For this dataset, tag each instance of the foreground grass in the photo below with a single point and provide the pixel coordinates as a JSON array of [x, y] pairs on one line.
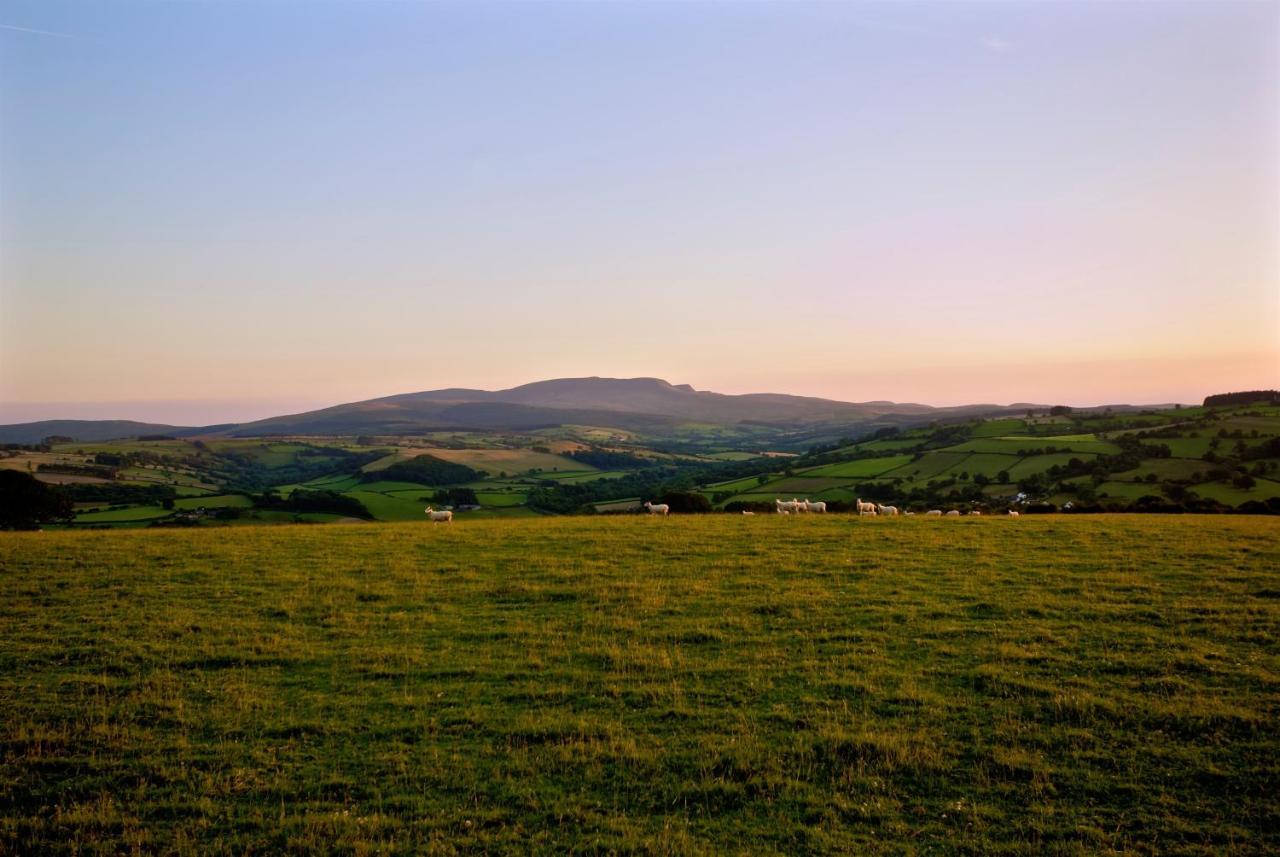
[[1051, 685]]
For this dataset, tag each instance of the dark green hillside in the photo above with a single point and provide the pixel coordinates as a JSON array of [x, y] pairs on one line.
[[1201, 459]]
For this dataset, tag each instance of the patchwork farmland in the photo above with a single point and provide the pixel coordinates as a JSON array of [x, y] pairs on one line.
[[1190, 458]]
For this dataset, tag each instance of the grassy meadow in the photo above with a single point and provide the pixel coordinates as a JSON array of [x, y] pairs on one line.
[[700, 685]]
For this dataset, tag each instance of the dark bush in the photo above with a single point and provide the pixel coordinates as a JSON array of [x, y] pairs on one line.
[[26, 502], [685, 502], [424, 470]]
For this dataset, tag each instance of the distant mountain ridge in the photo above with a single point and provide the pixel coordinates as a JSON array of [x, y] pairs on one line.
[[638, 404]]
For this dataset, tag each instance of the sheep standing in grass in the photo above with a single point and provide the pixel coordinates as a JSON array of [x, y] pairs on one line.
[[933, 513], [891, 511], [787, 506], [1012, 513], [954, 513], [745, 512], [866, 508], [818, 506], [436, 517], [657, 508]]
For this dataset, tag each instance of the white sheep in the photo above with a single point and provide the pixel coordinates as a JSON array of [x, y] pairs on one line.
[[933, 513], [657, 509], [436, 517], [1012, 513], [975, 512], [818, 506], [787, 505], [891, 511], [953, 513], [865, 508], [745, 512], [909, 514]]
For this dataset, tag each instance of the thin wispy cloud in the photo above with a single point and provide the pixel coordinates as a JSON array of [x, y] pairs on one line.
[[36, 32]]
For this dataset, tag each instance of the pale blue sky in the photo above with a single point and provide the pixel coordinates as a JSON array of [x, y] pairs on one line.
[[254, 207]]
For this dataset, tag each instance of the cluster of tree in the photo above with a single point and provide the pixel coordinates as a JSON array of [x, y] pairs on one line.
[[69, 469], [116, 493], [609, 460], [242, 472], [454, 497], [26, 502], [1248, 397], [685, 502], [25, 447], [648, 483], [140, 457], [306, 500], [425, 470]]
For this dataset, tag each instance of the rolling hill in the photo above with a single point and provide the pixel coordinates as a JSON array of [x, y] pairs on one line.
[[647, 405], [90, 430]]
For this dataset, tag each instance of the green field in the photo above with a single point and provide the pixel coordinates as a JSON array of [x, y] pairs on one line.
[[1011, 445], [238, 501], [398, 506], [499, 498], [929, 466], [999, 428], [1223, 493], [130, 513], [860, 467], [698, 685]]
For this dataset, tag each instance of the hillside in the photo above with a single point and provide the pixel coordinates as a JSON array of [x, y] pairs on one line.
[[646, 405], [710, 685], [1181, 459], [1193, 458], [86, 430]]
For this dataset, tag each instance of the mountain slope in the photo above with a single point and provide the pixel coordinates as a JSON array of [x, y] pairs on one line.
[[648, 405], [85, 430]]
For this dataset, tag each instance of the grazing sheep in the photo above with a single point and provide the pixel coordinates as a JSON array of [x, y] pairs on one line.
[[891, 511], [933, 513], [745, 512], [865, 507], [787, 505], [954, 513], [975, 512], [657, 508], [1012, 513], [818, 506], [436, 517], [909, 514]]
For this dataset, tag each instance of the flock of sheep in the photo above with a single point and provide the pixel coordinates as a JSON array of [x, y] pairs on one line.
[[796, 507], [783, 507], [793, 506]]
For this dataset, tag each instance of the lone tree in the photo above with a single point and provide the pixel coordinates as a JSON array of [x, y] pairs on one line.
[[26, 502]]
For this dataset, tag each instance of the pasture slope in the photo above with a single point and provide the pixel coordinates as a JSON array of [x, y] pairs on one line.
[[702, 685]]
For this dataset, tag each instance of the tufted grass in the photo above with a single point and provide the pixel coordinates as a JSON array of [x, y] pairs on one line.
[[1052, 685]]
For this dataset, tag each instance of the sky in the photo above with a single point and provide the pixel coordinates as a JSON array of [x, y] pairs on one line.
[[217, 211]]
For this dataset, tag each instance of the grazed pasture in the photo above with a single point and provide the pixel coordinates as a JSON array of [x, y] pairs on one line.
[[1051, 685]]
